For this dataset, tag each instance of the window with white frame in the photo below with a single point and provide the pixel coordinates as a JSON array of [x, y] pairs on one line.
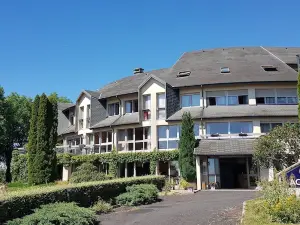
[[73, 142], [103, 142], [168, 136], [88, 116], [231, 97], [229, 127], [279, 96], [134, 139], [81, 113], [267, 127], [161, 106], [147, 107], [190, 100], [131, 106], [113, 109]]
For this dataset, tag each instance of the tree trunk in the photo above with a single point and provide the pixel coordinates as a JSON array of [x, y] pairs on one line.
[[8, 156]]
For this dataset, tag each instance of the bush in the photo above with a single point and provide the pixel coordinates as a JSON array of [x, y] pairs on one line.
[[58, 213], [183, 184], [20, 203], [138, 195], [102, 207], [280, 202], [87, 172], [169, 186]]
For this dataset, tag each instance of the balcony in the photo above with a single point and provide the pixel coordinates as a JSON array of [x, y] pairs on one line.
[[230, 136], [75, 150]]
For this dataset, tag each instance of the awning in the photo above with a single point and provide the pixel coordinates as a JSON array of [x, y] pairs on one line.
[[232, 146]]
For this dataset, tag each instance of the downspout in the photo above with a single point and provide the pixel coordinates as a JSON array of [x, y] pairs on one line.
[[201, 118]]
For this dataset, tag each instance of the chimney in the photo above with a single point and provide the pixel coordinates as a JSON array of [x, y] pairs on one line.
[[138, 70]]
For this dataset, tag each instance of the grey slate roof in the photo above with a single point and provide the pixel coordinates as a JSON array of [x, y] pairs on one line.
[[127, 85], [129, 118], [70, 129], [233, 146], [63, 120], [244, 63], [95, 94], [106, 122], [237, 111]]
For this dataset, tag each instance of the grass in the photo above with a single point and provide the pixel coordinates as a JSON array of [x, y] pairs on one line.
[[255, 214]]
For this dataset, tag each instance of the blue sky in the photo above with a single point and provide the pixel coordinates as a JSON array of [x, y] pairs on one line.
[[67, 46]]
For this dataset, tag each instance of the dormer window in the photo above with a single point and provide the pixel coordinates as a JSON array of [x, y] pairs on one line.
[[269, 68], [225, 70], [131, 106], [184, 74], [113, 109]]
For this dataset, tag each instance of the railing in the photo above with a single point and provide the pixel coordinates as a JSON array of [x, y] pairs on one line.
[[228, 136], [76, 150]]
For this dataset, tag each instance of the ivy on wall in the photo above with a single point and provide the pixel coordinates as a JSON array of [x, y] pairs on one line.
[[67, 159]]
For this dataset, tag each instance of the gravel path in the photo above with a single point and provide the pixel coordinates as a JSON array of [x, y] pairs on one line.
[[203, 208]]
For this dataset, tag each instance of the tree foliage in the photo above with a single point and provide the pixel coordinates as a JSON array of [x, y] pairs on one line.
[[280, 148], [43, 135], [298, 90], [32, 140], [15, 113], [62, 99], [187, 144]]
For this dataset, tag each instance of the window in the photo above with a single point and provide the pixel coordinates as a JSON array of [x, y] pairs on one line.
[[147, 107], [225, 70], [184, 74], [81, 112], [74, 142], [241, 127], [229, 127], [168, 136], [131, 106], [190, 100], [269, 68], [293, 66], [279, 96], [234, 97], [71, 118], [113, 109], [134, 139], [103, 142], [161, 106], [88, 116], [267, 127]]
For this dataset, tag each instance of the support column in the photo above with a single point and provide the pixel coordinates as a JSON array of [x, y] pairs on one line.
[[134, 169], [247, 169], [66, 173], [126, 169], [198, 172]]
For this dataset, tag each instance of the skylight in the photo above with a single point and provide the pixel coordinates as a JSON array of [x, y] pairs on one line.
[[184, 74], [225, 70], [270, 68]]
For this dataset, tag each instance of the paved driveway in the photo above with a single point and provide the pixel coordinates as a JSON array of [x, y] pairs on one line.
[[202, 208]]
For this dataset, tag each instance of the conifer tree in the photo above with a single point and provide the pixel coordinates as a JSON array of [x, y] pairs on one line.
[[187, 144], [32, 140]]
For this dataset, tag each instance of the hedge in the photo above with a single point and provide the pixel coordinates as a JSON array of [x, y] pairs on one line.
[[128, 157], [18, 204]]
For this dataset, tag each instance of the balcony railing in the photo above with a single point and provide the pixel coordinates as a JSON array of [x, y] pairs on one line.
[[227, 136]]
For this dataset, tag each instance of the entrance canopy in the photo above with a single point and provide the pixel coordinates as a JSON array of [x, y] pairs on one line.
[[224, 147]]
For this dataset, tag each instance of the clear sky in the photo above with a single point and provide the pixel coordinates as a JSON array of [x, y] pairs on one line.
[[70, 45]]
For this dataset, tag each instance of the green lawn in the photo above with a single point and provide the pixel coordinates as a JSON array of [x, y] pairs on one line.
[[255, 214]]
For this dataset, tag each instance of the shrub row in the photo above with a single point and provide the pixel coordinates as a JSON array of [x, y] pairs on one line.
[[18, 204], [128, 157]]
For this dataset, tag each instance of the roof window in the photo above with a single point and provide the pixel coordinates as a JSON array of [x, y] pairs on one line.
[[183, 74], [293, 66], [225, 70], [270, 68]]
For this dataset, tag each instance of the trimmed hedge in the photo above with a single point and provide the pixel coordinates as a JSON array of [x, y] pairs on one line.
[[18, 204], [128, 157]]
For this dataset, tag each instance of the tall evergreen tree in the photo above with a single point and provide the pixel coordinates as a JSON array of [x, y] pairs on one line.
[[187, 144], [53, 122], [32, 141], [43, 157]]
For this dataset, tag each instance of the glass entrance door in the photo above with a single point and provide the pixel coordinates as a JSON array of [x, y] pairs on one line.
[[214, 173]]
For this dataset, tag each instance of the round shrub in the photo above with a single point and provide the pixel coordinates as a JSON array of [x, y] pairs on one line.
[[58, 213], [87, 172], [102, 207], [139, 194]]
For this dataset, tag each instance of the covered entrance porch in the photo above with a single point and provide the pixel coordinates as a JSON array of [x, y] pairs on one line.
[[226, 164]]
